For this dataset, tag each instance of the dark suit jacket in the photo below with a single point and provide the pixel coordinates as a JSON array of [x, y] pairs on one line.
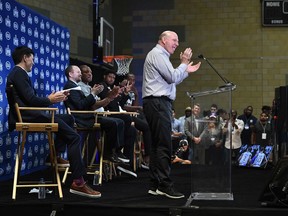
[[189, 127], [78, 101], [25, 96]]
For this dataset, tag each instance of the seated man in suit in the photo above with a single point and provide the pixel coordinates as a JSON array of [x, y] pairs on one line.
[[113, 127], [66, 136]]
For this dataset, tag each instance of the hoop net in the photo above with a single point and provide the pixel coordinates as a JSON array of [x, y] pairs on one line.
[[123, 63]]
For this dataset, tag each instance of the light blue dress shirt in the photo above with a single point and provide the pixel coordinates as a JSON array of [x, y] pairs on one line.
[[159, 76]]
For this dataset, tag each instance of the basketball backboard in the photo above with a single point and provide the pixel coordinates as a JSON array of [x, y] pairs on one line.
[[106, 39], [103, 41]]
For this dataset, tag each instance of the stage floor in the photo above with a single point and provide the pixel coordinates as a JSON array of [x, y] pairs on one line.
[[126, 195]]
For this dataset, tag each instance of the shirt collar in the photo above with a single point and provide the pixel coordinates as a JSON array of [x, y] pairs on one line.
[[163, 50], [22, 68], [74, 82]]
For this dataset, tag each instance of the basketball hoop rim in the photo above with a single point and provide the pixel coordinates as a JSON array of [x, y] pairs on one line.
[[108, 58], [122, 56]]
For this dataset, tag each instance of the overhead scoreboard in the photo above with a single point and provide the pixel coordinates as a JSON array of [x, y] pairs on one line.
[[274, 13]]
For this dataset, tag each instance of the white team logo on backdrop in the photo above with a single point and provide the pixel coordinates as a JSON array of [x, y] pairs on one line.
[[8, 6], [15, 12], [16, 40], [23, 40], [15, 26]]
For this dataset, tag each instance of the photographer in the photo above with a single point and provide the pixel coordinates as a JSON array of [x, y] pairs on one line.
[[182, 153]]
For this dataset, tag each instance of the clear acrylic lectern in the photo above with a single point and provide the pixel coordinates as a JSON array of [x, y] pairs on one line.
[[211, 176]]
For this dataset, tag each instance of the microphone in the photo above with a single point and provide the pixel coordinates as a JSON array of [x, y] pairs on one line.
[[201, 57], [227, 82]]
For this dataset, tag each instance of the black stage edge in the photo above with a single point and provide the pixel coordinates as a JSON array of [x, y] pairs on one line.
[[126, 195]]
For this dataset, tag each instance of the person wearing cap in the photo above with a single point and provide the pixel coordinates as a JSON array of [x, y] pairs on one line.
[[182, 153]]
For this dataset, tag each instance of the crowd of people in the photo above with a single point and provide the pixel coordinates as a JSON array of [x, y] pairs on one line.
[[197, 137], [208, 133]]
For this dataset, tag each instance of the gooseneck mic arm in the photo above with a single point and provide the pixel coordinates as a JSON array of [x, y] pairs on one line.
[[227, 82]]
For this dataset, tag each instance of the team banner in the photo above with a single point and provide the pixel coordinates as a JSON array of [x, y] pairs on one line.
[[19, 26]]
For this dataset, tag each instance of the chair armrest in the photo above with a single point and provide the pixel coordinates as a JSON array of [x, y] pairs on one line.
[[86, 112], [125, 113], [39, 108], [50, 109]]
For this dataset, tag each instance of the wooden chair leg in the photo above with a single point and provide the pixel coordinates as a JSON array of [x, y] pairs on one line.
[[102, 135], [53, 155], [85, 148], [18, 161], [137, 151], [15, 180], [66, 171], [19, 156]]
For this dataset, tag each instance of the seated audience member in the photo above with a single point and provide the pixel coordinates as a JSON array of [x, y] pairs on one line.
[[113, 127], [66, 135], [116, 106], [140, 122], [132, 103]]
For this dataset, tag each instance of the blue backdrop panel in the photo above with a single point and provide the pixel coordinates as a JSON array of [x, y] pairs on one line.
[[20, 25]]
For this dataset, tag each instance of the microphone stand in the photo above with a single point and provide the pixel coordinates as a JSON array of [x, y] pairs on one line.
[[227, 82]]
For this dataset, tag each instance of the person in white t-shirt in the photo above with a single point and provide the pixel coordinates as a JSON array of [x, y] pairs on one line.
[[235, 127]]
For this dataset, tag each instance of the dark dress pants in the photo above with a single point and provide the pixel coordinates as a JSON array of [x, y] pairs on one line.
[[158, 112]]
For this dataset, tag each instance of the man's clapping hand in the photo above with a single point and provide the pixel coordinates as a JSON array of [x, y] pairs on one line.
[[96, 89], [56, 97], [114, 92]]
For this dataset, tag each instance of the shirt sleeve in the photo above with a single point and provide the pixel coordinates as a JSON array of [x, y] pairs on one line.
[[167, 71]]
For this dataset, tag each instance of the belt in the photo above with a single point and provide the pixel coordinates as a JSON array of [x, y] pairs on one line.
[[159, 97]]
